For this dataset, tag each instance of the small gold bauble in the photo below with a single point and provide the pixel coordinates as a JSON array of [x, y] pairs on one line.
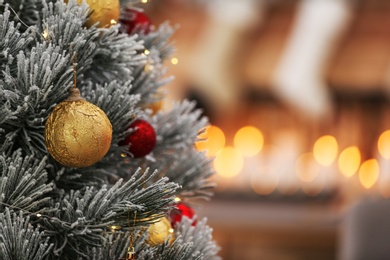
[[159, 232], [106, 12], [156, 106], [77, 133]]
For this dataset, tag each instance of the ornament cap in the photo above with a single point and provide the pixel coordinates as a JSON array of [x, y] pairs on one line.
[[74, 95]]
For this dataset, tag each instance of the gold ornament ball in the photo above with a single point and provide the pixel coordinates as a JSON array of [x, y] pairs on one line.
[[102, 11], [156, 106], [159, 232], [77, 133]]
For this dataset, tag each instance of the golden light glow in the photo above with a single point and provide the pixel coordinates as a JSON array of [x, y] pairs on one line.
[[113, 22], [306, 168], [215, 140], [325, 150], [177, 199], [384, 144], [123, 155], [174, 61], [369, 173], [170, 230], [144, 1], [39, 215], [349, 161], [146, 52], [228, 162], [249, 141], [114, 228], [45, 34]]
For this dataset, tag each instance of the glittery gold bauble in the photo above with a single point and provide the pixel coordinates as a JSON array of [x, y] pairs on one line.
[[159, 232], [77, 133], [106, 12]]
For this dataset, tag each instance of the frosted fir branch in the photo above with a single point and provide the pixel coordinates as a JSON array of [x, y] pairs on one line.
[[11, 42], [42, 80], [23, 182], [63, 25], [80, 217], [27, 11], [103, 55], [72, 178], [159, 40], [19, 240], [192, 175], [201, 238], [114, 247], [116, 55], [178, 128], [177, 250], [149, 77]]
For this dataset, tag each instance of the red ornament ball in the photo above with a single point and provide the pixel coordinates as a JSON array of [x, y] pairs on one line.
[[134, 19], [179, 211], [141, 141]]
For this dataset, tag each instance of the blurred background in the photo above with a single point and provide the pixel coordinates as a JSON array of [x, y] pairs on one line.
[[297, 93]]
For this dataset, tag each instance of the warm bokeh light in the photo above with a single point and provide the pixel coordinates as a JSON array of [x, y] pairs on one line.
[[264, 181], [306, 168], [369, 173], [384, 144], [215, 140], [249, 140], [174, 61], [146, 52], [325, 150], [228, 162], [349, 161], [113, 22]]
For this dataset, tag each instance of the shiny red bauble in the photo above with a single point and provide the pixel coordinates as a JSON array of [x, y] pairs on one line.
[[179, 211], [142, 140], [132, 20]]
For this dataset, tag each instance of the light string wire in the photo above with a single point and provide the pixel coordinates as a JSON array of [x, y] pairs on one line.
[[130, 249], [34, 214], [74, 64], [7, 6]]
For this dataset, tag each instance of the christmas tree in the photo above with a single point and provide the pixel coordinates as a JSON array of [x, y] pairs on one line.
[[89, 169]]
